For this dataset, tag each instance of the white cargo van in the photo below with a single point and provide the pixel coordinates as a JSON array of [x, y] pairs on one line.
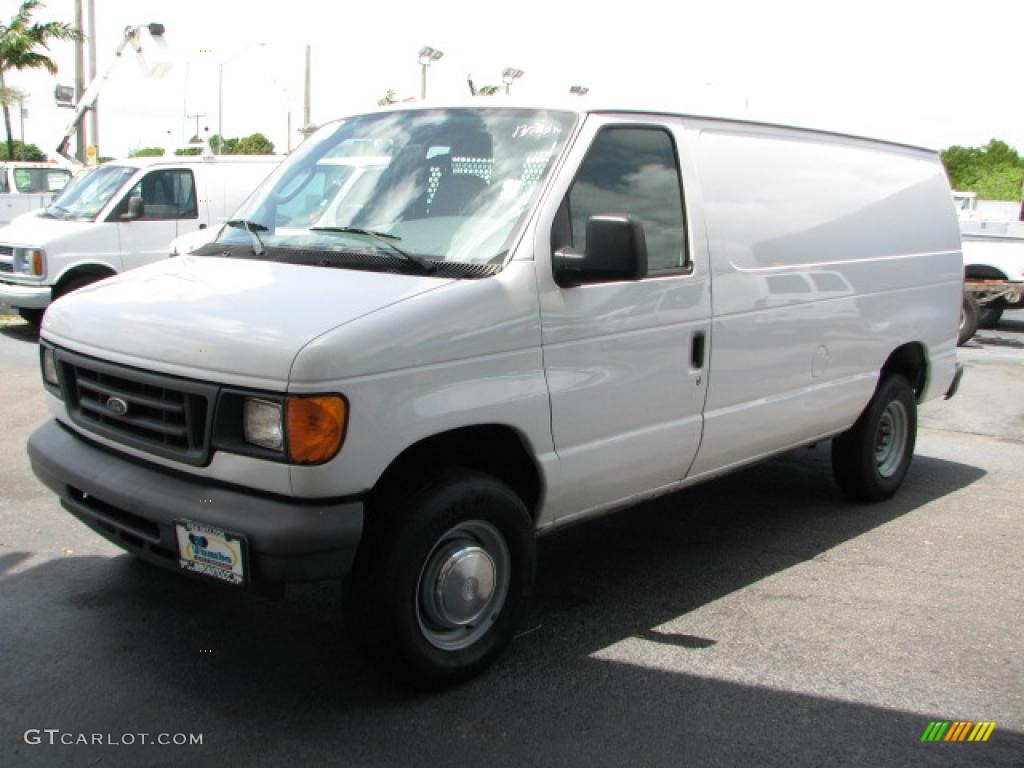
[[25, 186], [515, 319], [121, 215]]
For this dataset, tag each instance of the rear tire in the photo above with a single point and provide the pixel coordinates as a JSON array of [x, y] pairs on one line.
[[443, 573], [989, 316], [968, 320], [870, 460]]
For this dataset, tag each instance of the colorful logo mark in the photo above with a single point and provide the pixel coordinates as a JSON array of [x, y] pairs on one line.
[[958, 730]]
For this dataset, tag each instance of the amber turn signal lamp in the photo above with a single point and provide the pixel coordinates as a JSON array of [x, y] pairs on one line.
[[315, 427], [37, 263]]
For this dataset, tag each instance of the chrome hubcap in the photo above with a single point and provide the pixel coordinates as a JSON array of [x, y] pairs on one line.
[[891, 438], [463, 585]]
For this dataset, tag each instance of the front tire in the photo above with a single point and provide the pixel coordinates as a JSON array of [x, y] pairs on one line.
[[870, 460], [32, 316], [442, 576]]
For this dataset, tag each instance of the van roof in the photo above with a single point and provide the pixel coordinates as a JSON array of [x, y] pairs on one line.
[[584, 105], [147, 162]]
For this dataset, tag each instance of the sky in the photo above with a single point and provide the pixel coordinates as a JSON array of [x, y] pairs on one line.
[[931, 73]]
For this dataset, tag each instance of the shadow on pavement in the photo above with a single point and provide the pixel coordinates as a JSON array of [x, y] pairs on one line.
[[111, 645]]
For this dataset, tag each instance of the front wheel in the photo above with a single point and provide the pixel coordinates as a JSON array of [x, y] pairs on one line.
[[32, 316], [442, 576], [870, 460]]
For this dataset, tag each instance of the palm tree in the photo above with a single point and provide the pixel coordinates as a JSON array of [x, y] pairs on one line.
[[19, 44]]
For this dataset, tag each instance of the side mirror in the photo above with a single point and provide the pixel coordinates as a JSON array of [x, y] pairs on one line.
[[136, 209], [616, 250]]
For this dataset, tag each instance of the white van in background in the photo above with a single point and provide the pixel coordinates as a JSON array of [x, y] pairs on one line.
[[27, 186], [515, 319], [116, 217]]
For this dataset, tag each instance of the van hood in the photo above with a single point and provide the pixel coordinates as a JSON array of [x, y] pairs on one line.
[[33, 230], [232, 321]]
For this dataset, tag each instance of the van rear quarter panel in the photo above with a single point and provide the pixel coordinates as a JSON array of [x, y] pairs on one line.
[[827, 253]]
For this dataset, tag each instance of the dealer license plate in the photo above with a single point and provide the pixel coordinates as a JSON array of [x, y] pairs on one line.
[[211, 551]]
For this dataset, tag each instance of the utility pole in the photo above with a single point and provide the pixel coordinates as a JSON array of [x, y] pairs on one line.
[[79, 81], [94, 117], [196, 118]]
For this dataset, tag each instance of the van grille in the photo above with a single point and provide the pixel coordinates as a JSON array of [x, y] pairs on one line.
[[6, 266], [164, 415], [6, 250]]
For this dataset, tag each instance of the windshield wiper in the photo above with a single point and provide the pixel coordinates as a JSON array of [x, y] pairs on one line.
[[384, 237], [252, 227]]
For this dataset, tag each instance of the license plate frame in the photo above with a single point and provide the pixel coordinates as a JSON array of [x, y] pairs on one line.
[[212, 552]]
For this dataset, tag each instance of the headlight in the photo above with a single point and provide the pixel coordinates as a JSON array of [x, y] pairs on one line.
[[261, 422], [305, 430], [50, 367], [32, 262]]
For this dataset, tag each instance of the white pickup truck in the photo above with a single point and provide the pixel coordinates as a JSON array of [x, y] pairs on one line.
[[27, 186], [512, 320], [993, 269]]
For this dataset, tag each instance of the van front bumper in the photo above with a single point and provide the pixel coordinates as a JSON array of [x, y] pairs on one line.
[[135, 505], [25, 296]]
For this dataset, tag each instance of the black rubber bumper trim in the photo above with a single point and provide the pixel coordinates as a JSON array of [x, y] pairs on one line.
[[135, 505]]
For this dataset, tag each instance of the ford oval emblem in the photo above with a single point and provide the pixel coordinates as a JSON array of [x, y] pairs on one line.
[[117, 406]]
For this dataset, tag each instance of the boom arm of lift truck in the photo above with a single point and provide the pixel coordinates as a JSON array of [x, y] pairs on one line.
[[133, 36]]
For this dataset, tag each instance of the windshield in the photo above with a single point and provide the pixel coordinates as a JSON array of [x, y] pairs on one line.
[[36, 180], [87, 194], [444, 185]]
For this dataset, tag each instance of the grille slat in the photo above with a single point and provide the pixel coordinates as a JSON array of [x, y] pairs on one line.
[[161, 414], [132, 397], [137, 422], [6, 267]]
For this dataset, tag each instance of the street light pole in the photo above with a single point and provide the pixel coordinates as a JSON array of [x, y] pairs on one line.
[[510, 74], [427, 55]]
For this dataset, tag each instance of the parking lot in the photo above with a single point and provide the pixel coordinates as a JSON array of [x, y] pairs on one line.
[[758, 619]]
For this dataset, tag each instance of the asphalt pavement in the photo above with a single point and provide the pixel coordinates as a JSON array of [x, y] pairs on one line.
[[760, 619]]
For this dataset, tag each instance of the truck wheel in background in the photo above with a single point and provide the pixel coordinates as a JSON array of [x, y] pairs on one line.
[[32, 316], [74, 282], [870, 460], [988, 316], [968, 320], [443, 573]]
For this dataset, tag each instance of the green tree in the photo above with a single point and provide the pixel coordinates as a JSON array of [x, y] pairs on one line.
[[230, 145], [28, 152], [20, 43], [147, 152], [994, 172], [254, 144], [391, 97]]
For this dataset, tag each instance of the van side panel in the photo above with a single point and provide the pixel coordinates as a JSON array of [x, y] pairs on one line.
[[827, 254]]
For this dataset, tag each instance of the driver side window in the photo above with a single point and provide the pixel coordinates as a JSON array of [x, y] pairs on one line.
[[166, 194], [634, 171]]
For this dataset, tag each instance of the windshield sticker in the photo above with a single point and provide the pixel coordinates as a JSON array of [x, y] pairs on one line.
[[542, 128]]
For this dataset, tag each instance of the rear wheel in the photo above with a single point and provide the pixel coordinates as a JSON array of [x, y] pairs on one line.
[[989, 316], [443, 573], [870, 460], [968, 320]]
